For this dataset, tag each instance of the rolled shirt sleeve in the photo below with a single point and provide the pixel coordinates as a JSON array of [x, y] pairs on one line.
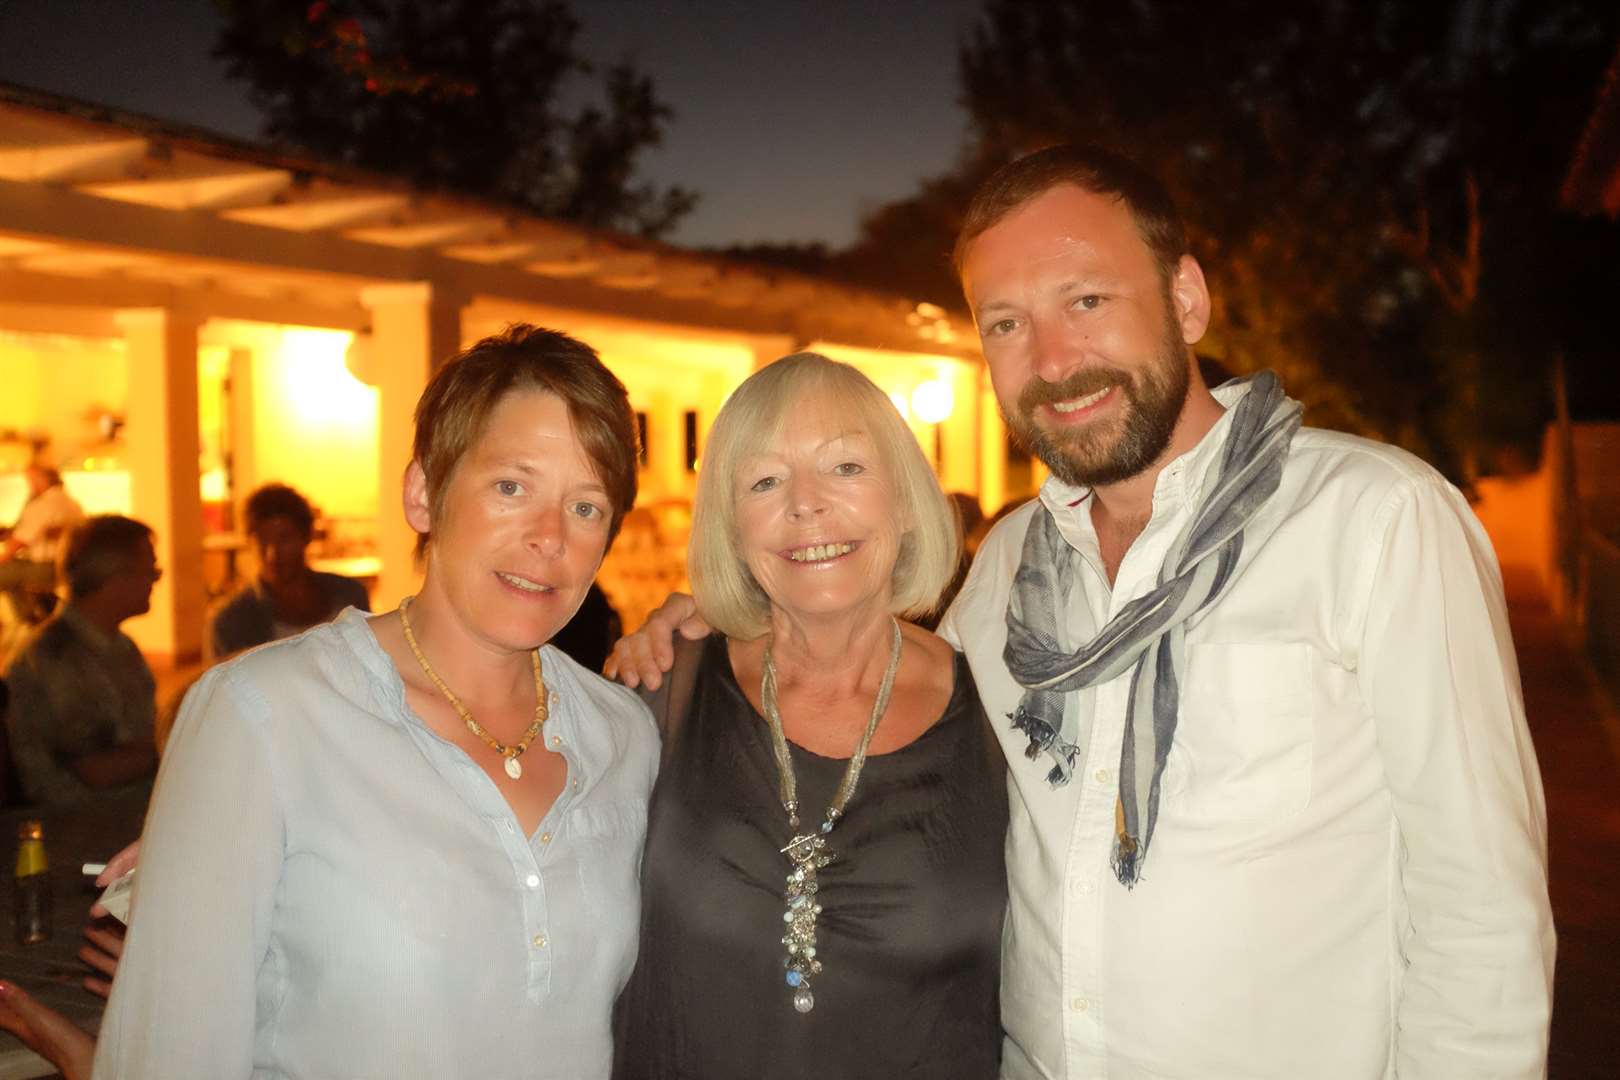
[[184, 1000], [1440, 680]]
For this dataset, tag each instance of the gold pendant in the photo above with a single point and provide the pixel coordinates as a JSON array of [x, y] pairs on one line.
[[513, 769]]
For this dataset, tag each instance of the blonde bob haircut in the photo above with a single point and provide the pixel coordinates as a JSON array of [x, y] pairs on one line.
[[751, 423]]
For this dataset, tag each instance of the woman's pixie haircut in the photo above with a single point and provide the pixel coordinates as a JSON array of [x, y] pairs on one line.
[[456, 406], [751, 423]]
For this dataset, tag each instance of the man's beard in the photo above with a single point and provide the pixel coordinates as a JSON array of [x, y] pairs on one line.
[[1117, 447]]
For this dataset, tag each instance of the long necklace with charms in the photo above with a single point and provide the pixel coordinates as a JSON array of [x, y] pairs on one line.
[[808, 853], [510, 753]]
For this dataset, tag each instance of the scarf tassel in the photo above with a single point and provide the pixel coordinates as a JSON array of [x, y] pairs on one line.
[[1041, 734], [1126, 861], [1043, 738]]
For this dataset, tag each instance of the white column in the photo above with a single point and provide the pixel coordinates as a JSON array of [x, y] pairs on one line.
[[959, 432], [992, 448], [415, 328], [244, 469], [666, 446], [161, 448]]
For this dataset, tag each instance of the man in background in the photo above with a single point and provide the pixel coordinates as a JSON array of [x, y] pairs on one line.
[[288, 596], [82, 696], [29, 551]]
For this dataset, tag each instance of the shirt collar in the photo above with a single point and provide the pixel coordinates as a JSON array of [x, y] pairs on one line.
[[89, 631], [353, 626], [1182, 478]]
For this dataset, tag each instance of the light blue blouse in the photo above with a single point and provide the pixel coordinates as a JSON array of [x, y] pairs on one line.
[[329, 889]]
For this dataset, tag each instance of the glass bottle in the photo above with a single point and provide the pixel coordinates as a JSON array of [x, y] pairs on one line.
[[33, 893]]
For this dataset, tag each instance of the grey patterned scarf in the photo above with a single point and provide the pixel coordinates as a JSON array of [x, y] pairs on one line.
[[1147, 636]]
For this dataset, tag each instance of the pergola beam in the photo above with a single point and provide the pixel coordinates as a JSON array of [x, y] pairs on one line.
[[308, 214], [57, 291], [71, 162], [215, 191], [35, 211]]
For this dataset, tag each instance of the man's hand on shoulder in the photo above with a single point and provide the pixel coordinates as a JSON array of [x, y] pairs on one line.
[[641, 658]]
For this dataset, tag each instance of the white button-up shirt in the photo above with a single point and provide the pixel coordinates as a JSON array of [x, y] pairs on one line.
[[43, 526], [329, 889], [1348, 874]]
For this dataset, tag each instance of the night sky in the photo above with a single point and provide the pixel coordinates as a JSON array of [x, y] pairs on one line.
[[792, 116]]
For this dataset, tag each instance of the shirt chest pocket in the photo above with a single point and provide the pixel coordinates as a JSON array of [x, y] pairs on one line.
[[1243, 742], [607, 841]]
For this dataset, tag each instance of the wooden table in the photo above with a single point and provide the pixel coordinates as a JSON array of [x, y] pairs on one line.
[[51, 971]]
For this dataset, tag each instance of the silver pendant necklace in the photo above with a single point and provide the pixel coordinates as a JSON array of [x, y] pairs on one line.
[[808, 853]]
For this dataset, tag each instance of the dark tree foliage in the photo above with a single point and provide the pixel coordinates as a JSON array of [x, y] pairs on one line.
[[813, 259], [1365, 181], [458, 95]]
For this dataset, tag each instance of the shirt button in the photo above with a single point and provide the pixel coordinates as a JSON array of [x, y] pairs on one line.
[[1083, 888], [1103, 775], [539, 941], [532, 881], [1079, 1004], [556, 741], [576, 785], [545, 838]]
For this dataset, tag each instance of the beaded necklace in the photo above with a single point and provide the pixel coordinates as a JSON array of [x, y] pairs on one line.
[[808, 853], [510, 753]]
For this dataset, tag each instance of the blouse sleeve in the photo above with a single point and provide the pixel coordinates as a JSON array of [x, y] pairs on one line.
[[669, 703], [184, 1002]]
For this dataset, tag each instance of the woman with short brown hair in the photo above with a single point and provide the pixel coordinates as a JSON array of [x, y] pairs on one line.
[[407, 845]]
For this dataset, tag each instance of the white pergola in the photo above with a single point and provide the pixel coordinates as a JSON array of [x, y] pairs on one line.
[[113, 225]]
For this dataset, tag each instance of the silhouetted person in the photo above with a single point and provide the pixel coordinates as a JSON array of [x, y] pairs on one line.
[[287, 597], [82, 696], [29, 551], [590, 634]]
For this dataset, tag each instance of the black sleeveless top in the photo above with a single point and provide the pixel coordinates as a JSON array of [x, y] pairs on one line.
[[910, 934]]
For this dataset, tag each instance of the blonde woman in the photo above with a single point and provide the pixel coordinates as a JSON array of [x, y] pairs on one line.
[[823, 886]]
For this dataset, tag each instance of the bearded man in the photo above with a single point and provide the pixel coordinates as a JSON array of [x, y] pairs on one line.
[[1276, 810]]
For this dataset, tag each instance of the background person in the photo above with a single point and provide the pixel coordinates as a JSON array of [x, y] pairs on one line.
[[407, 845], [817, 522], [590, 634], [82, 695], [43, 525], [30, 550], [286, 597]]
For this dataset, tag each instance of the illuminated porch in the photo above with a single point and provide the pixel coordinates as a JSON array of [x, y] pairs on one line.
[[183, 318]]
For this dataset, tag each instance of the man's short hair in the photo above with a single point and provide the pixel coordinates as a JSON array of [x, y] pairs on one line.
[[99, 549], [278, 500], [456, 406], [751, 422], [1089, 168]]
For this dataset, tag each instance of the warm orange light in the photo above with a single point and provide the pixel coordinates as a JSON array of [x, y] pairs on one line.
[[322, 388], [212, 483], [933, 401]]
